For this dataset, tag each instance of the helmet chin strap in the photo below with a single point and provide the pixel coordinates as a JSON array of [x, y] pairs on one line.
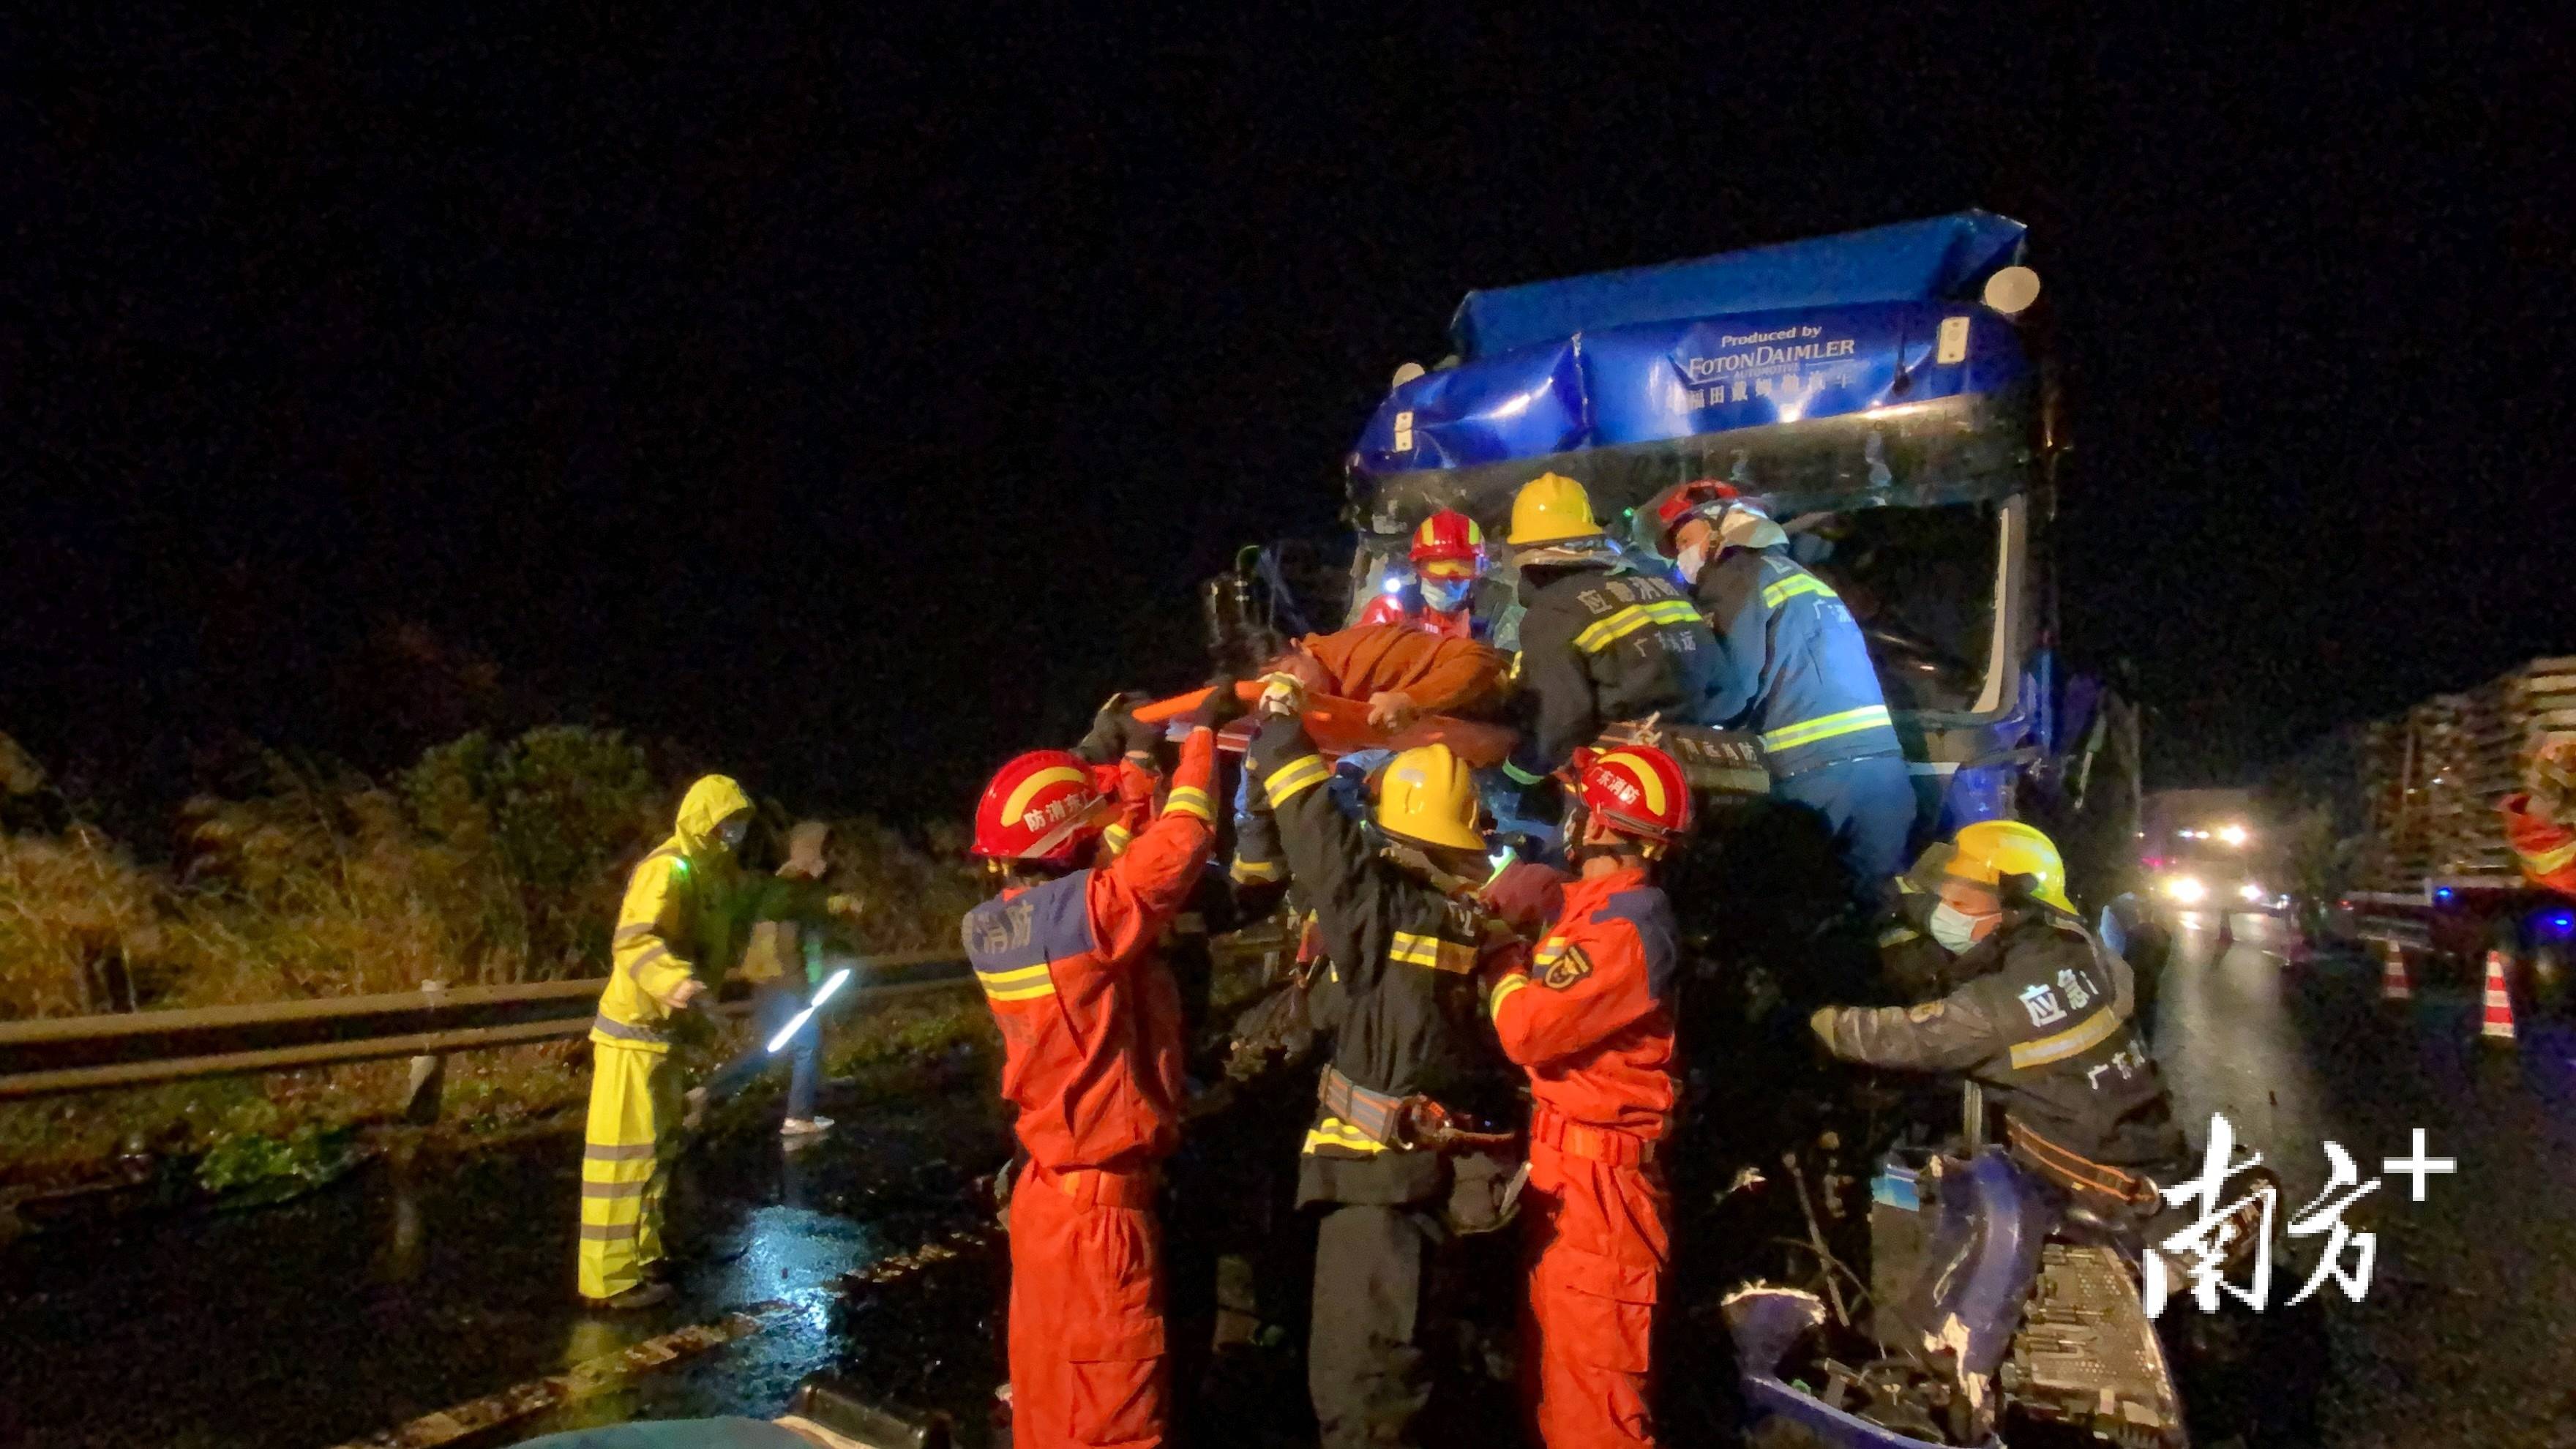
[[1408, 856]]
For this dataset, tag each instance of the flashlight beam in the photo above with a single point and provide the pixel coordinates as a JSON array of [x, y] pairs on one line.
[[797, 1022]]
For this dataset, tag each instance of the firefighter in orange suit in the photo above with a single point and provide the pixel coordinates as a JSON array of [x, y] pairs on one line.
[[1589, 1014], [1448, 562], [1090, 1025], [2538, 819]]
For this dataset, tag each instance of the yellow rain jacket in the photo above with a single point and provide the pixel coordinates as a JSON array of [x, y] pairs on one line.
[[682, 918]]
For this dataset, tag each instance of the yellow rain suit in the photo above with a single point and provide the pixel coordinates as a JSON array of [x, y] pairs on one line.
[[681, 919]]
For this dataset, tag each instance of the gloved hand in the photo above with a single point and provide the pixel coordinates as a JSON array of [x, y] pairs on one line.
[[1282, 695], [1116, 731], [1525, 896], [1222, 704]]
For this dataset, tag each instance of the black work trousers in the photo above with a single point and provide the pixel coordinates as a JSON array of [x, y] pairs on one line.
[[1368, 1365]]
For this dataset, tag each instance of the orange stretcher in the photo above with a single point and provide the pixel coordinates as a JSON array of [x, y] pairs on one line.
[[1339, 726]]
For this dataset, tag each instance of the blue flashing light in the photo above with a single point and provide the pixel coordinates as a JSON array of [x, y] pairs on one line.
[[1394, 584], [2442, 893], [2563, 923]]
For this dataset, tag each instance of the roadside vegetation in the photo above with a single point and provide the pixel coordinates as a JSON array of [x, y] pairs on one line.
[[487, 861]]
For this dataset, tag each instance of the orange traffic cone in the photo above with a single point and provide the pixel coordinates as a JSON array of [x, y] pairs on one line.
[[2393, 985], [2498, 1022]]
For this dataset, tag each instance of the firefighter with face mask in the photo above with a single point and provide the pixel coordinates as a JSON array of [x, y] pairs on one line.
[[1091, 1033], [1448, 561], [1792, 666], [1590, 1017], [1403, 941], [1601, 640], [2043, 1021], [676, 933]]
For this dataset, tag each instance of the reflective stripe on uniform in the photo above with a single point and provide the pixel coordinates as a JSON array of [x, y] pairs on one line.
[[1605, 632], [1022, 983], [607, 1025], [2092, 1031], [1431, 951], [1116, 838], [1502, 991], [1826, 727], [1247, 871], [632, 931], [645, 957], [1190, 800], [1295, 778], [608, 1232], [1793, 586], [1519, 775], [1334, 1132], [616, 1152], [2548, 862], [634, 1188]]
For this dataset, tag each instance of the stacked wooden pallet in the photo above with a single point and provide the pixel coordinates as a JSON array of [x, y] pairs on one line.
[[2432, 775]]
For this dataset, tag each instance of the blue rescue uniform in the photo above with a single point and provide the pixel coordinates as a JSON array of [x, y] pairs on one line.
[[1792, 667]]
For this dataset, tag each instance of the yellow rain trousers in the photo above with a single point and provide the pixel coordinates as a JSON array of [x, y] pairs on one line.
[[681, 918], [625, 1166]]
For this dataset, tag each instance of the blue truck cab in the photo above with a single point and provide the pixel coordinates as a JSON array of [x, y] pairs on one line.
[[1881, 392]]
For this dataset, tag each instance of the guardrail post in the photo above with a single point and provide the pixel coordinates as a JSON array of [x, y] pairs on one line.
[[428, 1074]]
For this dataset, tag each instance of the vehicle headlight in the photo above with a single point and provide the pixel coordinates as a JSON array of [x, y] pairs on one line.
[[2186, 889], [2251, 893]]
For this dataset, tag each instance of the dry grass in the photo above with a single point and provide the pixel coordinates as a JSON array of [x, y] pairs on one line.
[[486, 862]]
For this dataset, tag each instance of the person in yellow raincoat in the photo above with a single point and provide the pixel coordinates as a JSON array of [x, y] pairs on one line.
[[675, 935]]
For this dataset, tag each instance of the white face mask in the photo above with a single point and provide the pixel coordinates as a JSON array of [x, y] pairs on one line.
[[1955, 929], [1692, 560], [1446, 596]]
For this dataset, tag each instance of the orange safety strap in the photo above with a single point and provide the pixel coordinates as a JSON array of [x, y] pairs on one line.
[[1600, 1144], [1099, 1188]]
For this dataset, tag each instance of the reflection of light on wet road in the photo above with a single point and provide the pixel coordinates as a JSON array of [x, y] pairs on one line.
[[795, 1254], [2228, 1041]]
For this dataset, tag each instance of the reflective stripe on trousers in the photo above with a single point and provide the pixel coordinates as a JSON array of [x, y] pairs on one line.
[[634, 1101]]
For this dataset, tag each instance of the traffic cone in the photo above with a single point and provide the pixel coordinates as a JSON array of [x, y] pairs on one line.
[[2498, 1022], [2393, 985]]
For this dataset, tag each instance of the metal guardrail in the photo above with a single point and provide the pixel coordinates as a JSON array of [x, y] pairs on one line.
[[59, 1055]]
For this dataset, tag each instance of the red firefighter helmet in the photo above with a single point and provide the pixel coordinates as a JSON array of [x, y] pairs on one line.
[[1638, 790], [1680, 502], [1452, 538], [1042, 807]]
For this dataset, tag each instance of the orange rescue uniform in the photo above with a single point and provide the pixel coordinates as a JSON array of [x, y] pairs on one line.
[[2547, 851], [1590, 1017], [1091, 1036]]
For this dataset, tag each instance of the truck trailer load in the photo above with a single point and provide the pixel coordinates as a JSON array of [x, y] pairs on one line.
[[2426, 866]]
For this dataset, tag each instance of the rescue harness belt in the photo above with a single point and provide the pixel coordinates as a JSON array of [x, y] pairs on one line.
[[2078, 1175], [1601, 1144], [1400, 1122]]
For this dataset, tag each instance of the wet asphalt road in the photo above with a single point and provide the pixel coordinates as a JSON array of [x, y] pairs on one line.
[[2467, 1334], [411, 1287]]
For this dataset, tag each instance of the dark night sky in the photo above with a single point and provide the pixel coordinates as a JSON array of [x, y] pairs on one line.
[[858, 404]]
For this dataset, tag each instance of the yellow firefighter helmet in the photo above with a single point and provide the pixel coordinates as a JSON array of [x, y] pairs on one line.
[[1985, 852], [1551, 508], [1427, 796]]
